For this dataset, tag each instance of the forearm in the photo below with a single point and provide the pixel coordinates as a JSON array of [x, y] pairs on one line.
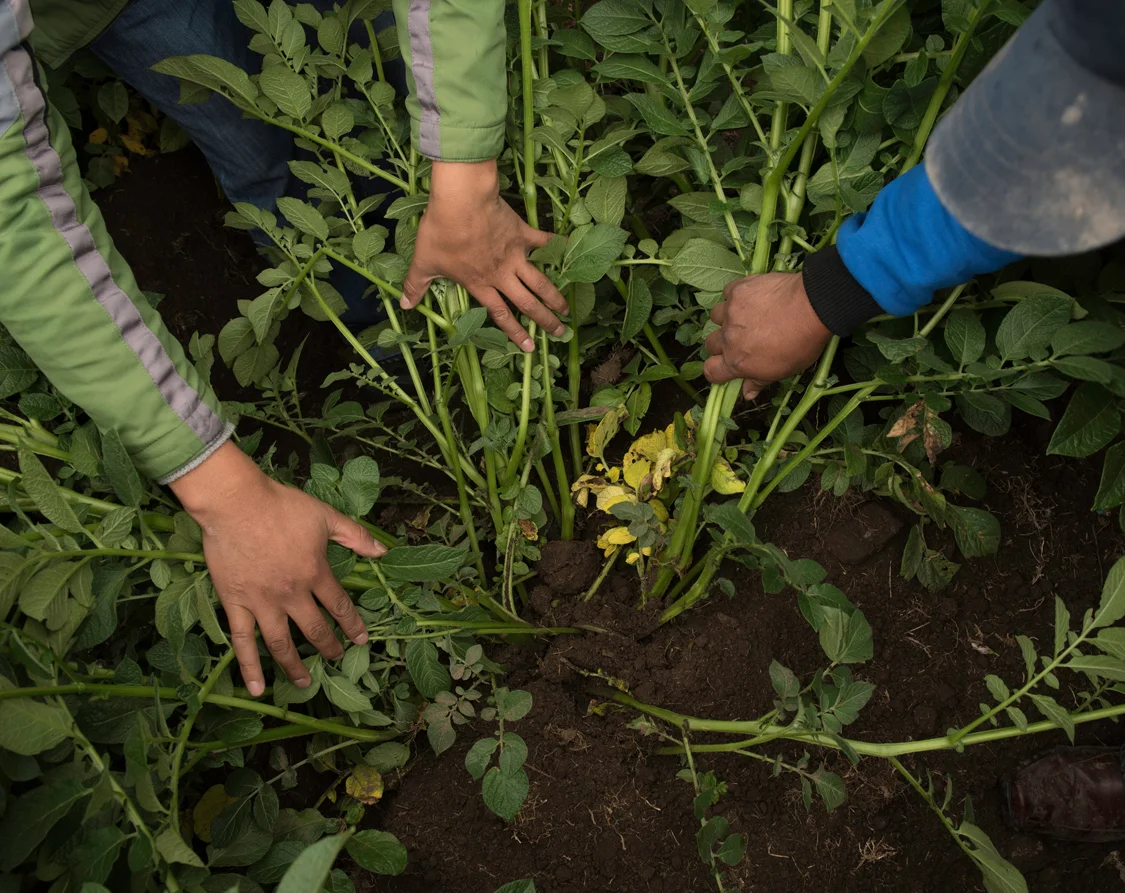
[[71, 302], [454, 52]]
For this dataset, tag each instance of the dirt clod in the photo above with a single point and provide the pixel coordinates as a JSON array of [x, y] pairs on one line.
[[854, 540], [569, 567]]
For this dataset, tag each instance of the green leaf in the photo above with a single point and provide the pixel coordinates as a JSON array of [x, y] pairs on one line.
[[707, 266], [479, 756], [32, 815], [831, 789], [378, 852], [1111, 608], [605, 200], [1099, 665], [514, 705], [253, 15], [524, 886], [303, 216], [912, 553], [337, 120], [638, 308], [288, 89], [120, 472], [999, 875], [430, 676], [214, 74], [17, 371], [845, 638], [659, 118], [889, 38], [360, 485], [345, 694], [504, 793], [977, 531], [964, 336], [252, 845], [311, 869], [113, 99], [789, 79], [630, 67], [422, 564], [1091, 421], [1031, 324], [1086, 337], [1055, 713], [45, 493], [29, 727], [47, 587], [985, 413], [997, 687], [172, 847], [1111, 490], [614, 18], [591, 251]]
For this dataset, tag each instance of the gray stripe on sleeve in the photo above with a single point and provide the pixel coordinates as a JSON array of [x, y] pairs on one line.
[[180, 396], [422, 67]]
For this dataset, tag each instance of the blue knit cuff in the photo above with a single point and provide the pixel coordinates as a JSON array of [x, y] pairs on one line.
[[908, 246]]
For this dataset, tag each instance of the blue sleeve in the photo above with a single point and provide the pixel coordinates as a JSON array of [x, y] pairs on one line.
[[908, 246]]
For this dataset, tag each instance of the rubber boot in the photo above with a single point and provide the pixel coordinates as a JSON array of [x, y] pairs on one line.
[[1073, 793]]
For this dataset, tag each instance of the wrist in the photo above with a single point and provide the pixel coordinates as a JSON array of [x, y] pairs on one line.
[[464, 181], [839, 301], [220, 480]]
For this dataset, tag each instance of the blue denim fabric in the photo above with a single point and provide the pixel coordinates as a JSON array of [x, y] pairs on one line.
[[249, 158]]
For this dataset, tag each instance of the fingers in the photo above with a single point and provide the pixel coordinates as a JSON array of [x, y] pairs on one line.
[[414, 287], [246, 649], [535, 238], [716, 370], [517, 293], [752, 388], [543, 287], [275, 633], [352, 535], [714, 343], [340, 606], [317, 630], [719, 313], [502, 315]]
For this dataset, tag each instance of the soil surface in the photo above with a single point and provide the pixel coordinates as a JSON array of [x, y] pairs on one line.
[[606, 813]]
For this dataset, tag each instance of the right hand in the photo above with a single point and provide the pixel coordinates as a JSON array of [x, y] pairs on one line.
[[471, 235], [768, 332], [265, 545]]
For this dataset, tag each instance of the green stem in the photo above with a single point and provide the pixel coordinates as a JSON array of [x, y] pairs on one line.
[[189, 724]]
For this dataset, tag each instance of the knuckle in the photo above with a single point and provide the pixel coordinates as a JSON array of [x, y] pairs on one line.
[[279, 645], [319, 631], [242, 637], [340, 606]]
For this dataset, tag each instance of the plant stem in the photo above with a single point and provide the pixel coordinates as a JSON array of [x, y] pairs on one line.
[[189, 724]]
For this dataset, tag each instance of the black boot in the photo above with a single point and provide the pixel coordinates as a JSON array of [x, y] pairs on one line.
[[1074, 793]]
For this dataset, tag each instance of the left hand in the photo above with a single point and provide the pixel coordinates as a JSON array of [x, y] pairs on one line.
[[769, 332], [471, 235]]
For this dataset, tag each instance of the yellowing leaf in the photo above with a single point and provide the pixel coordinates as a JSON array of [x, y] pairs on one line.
[[632, 557], [602, 433], [662, 469], [365, 784], [610, 496], [647, 447], [614, 537], [133, 144], [99, 136], [724, 480], [636, 472], [659, 510], [214, 800]]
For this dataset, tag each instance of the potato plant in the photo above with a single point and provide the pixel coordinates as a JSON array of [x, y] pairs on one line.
[[671, 146]]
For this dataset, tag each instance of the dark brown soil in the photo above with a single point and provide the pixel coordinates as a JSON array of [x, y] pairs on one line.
[[606, 813]]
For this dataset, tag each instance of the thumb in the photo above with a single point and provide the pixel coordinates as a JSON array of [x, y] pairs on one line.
[[751, 388], [353, 535], [414, 286]]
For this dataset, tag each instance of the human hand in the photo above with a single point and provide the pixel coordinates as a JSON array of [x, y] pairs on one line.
[[265, 546], [471, 235], [769, 332]]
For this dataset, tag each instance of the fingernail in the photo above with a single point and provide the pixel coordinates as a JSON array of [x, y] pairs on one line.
[[362, 638], [528, 345], [255, 687], [302, 683], [404, 304]]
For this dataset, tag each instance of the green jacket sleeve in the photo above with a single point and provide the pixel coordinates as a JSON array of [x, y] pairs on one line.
[[70, 300], [454, 52]]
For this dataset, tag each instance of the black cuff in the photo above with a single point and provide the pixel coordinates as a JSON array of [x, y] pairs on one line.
[[842, 304]]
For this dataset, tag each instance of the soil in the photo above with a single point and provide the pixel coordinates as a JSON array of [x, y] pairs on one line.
[[606, 813]]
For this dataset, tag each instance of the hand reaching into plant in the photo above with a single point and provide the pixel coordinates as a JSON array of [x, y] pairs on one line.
[[769, 331], [471, 235], [265, 546]]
